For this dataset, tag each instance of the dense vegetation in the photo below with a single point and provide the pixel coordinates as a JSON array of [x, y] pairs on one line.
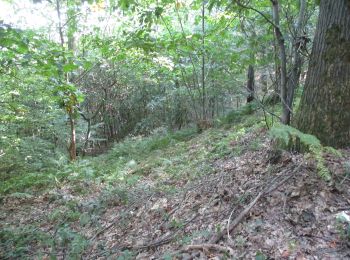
[[115, 103]]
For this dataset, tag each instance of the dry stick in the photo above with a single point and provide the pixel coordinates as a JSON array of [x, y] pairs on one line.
[[210, 246], [204, 248], [216, 238], [114, 222], [162, 241], [236, 221]]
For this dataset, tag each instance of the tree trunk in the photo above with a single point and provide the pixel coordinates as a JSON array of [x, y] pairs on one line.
[[325, 105], [203, 62], [275, 97], [250, 84], [60, 29], [298, 46], [73, 145], [87, 137], [283, 61]]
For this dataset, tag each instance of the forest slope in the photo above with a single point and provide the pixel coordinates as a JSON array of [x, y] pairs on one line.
[[173, 196]]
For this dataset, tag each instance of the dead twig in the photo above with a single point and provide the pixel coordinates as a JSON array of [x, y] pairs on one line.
[[207, 247], [217, 237], [161, 241]]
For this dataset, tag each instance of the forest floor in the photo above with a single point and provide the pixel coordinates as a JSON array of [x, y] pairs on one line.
[[226, 193]]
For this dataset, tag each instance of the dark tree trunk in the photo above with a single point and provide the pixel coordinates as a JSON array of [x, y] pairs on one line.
[[325, 105], [283, 61], [204, 115], [250, 84], [73, 145]]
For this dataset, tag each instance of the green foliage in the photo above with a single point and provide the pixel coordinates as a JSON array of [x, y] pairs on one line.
[[291, 138], [343, 227], [176, 223], [15, 243], [74, 242], [260, 256], [134, 81], [236, 116], [126, 255]]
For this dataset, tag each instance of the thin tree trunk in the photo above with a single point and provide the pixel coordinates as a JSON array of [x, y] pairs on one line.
[[88, 134], [283, 61], [250, 84], [73, 145], [277, 79], [203, 61], [298, 45], [60, 29]]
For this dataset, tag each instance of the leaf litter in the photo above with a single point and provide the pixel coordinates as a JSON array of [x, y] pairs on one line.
[[249, 206]]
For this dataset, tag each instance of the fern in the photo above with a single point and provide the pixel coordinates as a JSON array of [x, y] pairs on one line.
[[287, 134], [292, 138], [322, 169]]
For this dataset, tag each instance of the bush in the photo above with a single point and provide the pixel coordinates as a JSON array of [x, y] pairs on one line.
[[236, 116]]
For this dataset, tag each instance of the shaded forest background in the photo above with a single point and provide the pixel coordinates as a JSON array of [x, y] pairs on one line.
[[101, 71]]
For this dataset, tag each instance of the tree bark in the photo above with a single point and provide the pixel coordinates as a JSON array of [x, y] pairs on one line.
[[73, 145], [60, 29], [297, 63], [283, 61], [325, 104], [72, 149], [250, 84], [203, 62]]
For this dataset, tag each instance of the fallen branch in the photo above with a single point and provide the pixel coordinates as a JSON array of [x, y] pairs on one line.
[[160, 241], [207, 247], [217, 237]]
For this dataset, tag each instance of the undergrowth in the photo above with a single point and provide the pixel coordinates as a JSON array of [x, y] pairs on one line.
[[290, 138], [178, 154], [160, 159], [163, 156]]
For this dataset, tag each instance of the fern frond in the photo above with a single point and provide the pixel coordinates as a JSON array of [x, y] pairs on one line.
[[292, 137]]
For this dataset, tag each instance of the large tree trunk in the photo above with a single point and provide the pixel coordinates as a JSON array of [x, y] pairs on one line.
[[325, 105]]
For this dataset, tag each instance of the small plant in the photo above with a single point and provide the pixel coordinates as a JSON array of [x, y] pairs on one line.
[[288, 137], [260, 256], [240, 241], [176, 223], [74, 242], [238, 115], [186, 240], [343, 226], [17, 243], [126, 255]]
